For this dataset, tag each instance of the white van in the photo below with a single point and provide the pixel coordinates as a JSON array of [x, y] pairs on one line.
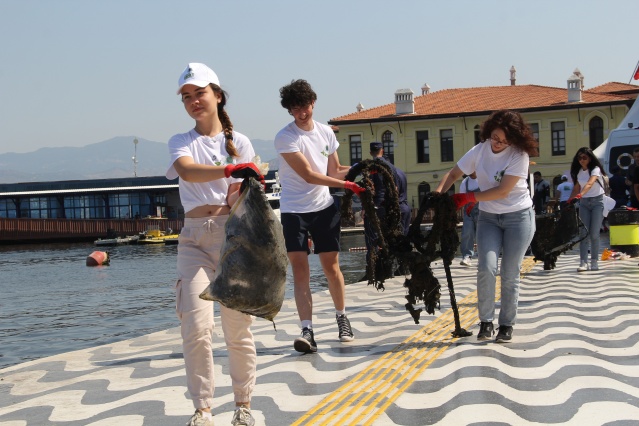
[[617, 149]]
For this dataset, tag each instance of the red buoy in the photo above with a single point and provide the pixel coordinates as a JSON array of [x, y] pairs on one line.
[[98, 258]]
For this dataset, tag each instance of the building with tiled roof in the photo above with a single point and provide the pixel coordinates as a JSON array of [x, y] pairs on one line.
[[425, 135]]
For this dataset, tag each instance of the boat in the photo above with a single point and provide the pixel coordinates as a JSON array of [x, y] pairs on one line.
[[157, 237], [274, 195], [112, 239]]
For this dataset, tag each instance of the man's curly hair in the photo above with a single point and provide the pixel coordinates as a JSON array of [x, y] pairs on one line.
[[297, 94]]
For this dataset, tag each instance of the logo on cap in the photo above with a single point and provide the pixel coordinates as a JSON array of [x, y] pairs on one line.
[[188, 74]]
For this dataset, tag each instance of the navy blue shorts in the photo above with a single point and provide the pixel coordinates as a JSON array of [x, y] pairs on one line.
[[323, 227]]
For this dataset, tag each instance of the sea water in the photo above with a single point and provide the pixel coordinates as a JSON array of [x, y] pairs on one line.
[[51, 302]]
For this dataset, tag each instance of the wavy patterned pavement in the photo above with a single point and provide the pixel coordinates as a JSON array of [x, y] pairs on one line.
[[574, 359]]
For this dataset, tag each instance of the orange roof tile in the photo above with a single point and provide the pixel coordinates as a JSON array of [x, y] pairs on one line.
[[483, 99], [614, 87]]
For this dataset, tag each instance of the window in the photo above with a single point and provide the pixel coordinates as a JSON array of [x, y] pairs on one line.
[[7, 209], [389, 148], [423, 147], [534, 129], [355, 142], [446, 141], [558, 137], [596, 132], [476, 131]]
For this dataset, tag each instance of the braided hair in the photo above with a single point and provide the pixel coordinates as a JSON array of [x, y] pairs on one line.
[[227, 125]]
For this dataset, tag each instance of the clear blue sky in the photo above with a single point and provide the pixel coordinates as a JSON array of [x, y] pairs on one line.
[[77, 72]]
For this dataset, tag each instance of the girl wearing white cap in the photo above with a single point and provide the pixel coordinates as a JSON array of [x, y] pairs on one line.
[[210, 160]]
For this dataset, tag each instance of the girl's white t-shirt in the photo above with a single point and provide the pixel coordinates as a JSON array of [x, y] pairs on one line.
[[211, 151], [298, 196], [584, 175], [490, 167]]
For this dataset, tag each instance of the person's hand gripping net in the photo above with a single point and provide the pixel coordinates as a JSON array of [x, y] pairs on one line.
[[461, 200], [354, 187]]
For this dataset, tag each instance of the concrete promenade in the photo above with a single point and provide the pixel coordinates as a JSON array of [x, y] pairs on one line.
[[574, 360]]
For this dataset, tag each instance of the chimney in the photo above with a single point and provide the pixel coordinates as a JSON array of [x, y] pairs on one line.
[[513, 77], [574, 88], [425, 89], [359, 107], [580, 75], [404, 103]]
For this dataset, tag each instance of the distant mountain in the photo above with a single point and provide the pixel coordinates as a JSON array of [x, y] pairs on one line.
[[112, 158]]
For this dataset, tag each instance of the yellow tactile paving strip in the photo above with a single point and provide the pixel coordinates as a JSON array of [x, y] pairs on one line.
[[367, 395]]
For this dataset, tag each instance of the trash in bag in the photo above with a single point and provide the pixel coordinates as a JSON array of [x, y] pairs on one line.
[[556, 233], [251, 275]]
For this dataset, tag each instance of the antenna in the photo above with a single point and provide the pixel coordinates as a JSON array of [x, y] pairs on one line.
[[135, 157]]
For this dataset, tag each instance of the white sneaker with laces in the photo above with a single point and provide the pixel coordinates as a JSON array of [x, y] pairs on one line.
[[199, 419], [466, 261], [583, 267], [243, 417]]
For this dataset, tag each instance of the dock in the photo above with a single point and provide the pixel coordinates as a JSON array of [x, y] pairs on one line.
[[573, 360]]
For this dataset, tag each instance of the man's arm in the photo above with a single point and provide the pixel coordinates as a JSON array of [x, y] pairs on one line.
[[301, 166]]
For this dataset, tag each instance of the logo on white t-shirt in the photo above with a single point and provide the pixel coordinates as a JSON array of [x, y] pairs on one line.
[[499, 175]]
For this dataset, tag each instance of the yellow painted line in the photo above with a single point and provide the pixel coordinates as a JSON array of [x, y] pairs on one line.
[[383, 381]]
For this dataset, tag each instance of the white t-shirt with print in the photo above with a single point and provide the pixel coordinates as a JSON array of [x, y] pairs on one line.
[[565, 189], [490, 167], [584, 175], [316, 146], [211, 151]]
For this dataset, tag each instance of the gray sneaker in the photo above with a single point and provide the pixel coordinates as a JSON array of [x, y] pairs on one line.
[[243, 417], [198, 420]]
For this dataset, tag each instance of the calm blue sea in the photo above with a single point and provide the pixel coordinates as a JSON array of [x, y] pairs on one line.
[[52, 303]]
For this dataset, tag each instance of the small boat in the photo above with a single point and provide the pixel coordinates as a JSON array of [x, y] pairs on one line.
[[112, 239], [275, 195], [157, 237], [117, 241]]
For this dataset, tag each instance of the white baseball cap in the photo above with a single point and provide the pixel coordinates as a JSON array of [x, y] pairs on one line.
[[197, 74], [564, 177]]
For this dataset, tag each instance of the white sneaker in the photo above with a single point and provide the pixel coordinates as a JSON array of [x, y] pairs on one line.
[[466, 261], [594, 266], [583, 267], [199, 419], [243, 417]]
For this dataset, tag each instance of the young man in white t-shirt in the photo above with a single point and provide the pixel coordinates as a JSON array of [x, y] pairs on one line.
[[310, 166]]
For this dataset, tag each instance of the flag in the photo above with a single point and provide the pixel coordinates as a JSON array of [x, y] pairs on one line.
[[635, 73]]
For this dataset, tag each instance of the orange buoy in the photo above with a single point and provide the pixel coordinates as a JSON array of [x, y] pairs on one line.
[[98, 258]]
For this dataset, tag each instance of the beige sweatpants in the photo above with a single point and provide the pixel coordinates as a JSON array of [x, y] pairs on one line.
[[198, 256]]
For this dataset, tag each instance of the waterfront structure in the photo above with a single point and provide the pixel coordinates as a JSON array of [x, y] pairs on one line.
[[425, 135]]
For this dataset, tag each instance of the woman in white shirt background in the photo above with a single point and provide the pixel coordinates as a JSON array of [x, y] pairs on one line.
[[586, 172]]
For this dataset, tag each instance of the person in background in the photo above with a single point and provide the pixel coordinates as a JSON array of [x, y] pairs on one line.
[[630, 173], [618, 188], [586, 172], [210, 160], [309, 166], [635, 187], [399, 177], [564, 190], [470, 213], [541, 193], [506, 220]]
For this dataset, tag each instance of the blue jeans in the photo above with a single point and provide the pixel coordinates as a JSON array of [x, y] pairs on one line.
[[591, 214], [510, 233], [469, 229]]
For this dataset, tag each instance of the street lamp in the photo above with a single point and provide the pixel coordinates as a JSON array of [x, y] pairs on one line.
[[135, 157]]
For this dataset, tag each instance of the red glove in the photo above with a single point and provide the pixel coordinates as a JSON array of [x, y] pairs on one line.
[[462, 199], [243, 171], [574, 199], [354, 187], [469, 208]]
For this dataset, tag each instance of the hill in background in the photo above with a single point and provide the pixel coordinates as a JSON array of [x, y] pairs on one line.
[[112, 158]]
